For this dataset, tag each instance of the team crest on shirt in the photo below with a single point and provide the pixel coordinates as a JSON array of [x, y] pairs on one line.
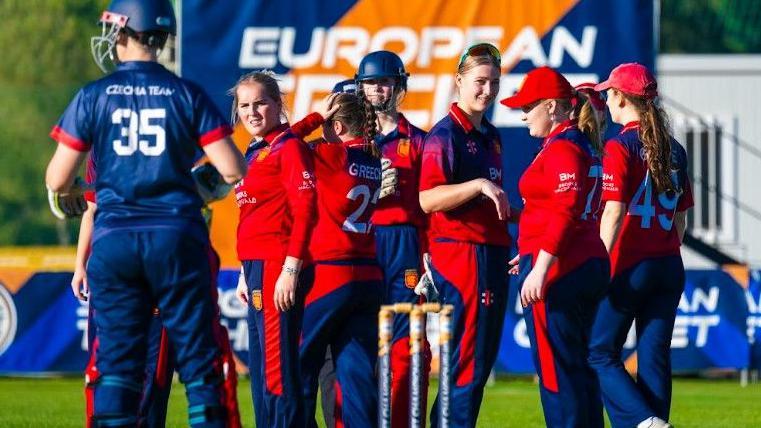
[[263, 154], [256, 299], [472, 148], [497, 147], [403, 149], [411, 278]]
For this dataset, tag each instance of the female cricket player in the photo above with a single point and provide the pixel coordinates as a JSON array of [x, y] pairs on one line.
[[461, 189], [160, 364], [277, 214], [341, 308], [646, 192], [563, 264], [400, 224], [144, 125]]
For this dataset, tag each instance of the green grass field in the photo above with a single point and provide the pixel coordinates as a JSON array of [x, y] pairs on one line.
[[509, 403]]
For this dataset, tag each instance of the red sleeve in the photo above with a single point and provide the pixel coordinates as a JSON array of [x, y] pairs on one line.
[[307, 125], [564, 172], [685, 201], [436, 166], [615, 172], [297, 175], [61, 136], [214, 135]]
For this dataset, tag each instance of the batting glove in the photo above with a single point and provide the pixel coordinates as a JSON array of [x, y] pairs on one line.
[[209, 183], [389, 178], [425, 286], [69, 204]]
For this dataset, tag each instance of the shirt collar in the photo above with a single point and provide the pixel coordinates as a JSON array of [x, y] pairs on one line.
[[358, 142], [460, 118], [629, 126], [139, 65], [402, 130], [562, 127], [276, 132], [403, 126]]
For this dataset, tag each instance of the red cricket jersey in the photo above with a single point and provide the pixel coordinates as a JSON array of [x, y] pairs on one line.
[[561, 191], [404, 147], [276, 198], [456, 152], [348, 186], [647, 230]]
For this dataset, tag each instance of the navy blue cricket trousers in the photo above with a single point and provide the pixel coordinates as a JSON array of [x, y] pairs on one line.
[[559, 329], [648, 294], [131, 272]]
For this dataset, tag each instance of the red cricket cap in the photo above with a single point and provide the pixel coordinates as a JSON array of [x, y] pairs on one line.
[[632, 78], [541, 83], [594, 97]]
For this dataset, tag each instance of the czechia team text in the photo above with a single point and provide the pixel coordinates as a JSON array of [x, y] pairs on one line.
[[138, 90]]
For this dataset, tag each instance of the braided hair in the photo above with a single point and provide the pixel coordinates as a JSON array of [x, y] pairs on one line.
[[359, 116]]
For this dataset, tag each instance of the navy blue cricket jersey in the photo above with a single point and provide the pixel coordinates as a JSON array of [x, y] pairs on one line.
[[145, 126]]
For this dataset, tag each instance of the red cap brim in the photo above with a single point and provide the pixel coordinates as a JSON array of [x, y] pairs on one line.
[[603, 86], [516, 101]]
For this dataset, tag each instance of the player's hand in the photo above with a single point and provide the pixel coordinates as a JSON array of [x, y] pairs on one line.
[[79, 284], [425, 285], [325, 109], [285, 290], [513, 263], [498, 196], [241, 291], [389, 178], [69, 204], [533, 287]]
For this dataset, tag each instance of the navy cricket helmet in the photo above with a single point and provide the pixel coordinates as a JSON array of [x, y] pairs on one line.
[[145, 15], [152, 20], [382, 64], [348, 86]]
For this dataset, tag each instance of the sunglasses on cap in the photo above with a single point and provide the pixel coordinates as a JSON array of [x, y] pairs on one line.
[[480, 49]]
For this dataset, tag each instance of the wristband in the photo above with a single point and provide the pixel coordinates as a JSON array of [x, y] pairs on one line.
[[290, 270]]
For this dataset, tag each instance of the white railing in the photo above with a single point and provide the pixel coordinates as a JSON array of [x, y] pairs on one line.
[[712, 156]]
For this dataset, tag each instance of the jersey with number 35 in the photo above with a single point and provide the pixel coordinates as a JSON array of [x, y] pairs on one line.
[[648, 227], [145, 126], [348, 187]]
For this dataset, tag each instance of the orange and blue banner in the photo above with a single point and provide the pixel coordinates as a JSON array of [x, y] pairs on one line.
[[712, 327], [313, 45], [43, 328]]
